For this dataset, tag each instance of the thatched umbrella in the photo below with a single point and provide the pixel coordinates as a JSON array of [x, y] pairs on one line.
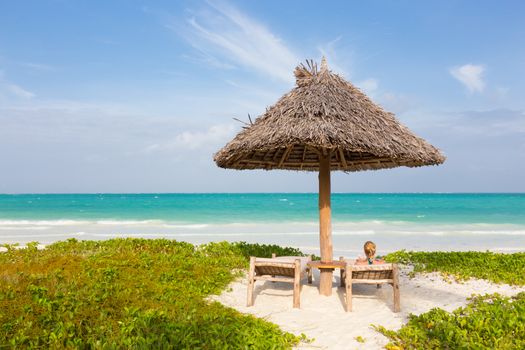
[[325, 123]]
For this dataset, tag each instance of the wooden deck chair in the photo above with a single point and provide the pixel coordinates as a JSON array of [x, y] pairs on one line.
[[290, 269], [370, 274]]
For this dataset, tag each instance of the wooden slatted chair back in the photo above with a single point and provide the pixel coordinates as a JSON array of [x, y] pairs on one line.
[[288, 269]]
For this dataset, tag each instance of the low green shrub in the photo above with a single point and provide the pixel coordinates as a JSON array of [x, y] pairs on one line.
[[265, 250], [487, 322], [495, 267], [127, 293]]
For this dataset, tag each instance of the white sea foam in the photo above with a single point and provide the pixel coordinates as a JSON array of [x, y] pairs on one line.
[[211, 234], [42, 222], [459, 233], [353, 233], [128, 222], [23, 228], [347, 236], [21, 237], [118, 235], [190, 226], [339, 228]]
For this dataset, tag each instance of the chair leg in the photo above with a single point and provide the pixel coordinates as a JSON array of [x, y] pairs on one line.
[[342, 272], [348, 287], [251, 282], [297, 284], [395, 285], [309, 272], [273, 257]]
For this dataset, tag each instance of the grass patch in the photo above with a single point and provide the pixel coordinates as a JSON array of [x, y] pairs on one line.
[[265, 250], [495, 267], [487, 322], [127, 293]]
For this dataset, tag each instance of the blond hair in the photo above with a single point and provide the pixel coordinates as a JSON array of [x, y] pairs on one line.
[[370, 249]]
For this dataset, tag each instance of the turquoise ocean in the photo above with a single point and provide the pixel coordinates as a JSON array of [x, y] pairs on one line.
[[420, 221]]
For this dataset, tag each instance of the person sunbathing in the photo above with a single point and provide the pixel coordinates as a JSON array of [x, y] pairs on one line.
[[371, 258]]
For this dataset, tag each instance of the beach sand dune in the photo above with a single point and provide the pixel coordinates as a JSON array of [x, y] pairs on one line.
[[324, 318]]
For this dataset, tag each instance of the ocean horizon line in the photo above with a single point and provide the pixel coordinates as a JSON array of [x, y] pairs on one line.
[[189, 193], [263, 207]]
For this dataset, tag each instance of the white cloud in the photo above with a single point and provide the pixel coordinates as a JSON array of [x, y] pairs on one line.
[[233, 36], [209, 60], [60, 107], [471, 76], [506, 123], [37, 66], [213, 137], [396, 103], [19, 91], [9, 90], [333, 57], [491, 123], [369, 86]]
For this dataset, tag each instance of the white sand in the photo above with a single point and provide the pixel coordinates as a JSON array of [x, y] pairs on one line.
[[22, 246], [325, 319]]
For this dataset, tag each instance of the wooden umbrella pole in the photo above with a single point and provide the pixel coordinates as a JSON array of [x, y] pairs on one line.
[[325, 225]]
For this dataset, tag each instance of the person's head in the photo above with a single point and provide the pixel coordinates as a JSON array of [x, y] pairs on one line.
[[370, 249]]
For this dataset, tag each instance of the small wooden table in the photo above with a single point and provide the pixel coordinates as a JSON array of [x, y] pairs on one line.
[[326, 266]]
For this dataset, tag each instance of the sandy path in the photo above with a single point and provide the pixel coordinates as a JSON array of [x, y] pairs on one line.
[[324, 318]]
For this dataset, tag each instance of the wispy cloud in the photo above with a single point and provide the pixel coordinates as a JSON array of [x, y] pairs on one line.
[[10, 90], [209, 60], [192, 140], [19, 91], [491, 123], [369, 86], [470, 75], [398, 103], [333, 56], [37, 66], [224, 34], [508, 124], [60, 107]]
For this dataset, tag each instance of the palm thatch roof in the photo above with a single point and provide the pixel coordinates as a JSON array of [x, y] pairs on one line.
[[324, 114]]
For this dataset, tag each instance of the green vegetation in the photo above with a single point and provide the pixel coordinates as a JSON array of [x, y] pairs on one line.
[[498, 268], [265, 250], [127, 293], [360, 339], [487, 322], [138, 293]]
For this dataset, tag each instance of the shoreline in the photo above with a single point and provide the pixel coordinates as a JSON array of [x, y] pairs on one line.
[[352, 252], [348, 237]]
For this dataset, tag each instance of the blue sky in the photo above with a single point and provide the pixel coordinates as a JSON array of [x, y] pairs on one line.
[[136, 96]]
